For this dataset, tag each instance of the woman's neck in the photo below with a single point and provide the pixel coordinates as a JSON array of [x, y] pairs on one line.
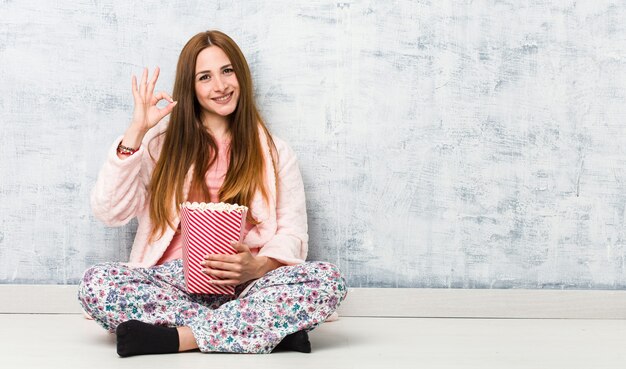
[[218, 127]]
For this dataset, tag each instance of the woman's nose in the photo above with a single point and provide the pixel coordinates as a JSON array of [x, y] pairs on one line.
[[219, 85]]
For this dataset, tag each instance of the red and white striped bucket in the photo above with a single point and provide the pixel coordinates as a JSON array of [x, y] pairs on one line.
[[208, 228]]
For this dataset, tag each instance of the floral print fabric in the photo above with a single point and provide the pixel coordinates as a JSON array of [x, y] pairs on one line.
[[283, 301]]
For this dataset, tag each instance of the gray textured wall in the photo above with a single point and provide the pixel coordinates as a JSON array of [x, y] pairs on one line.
[[474, 144]]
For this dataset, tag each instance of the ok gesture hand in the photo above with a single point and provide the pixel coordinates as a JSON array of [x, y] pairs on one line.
[[146, 114]]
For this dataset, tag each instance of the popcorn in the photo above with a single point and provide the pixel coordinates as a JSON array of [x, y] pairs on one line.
[[221, 206], [208, 228]]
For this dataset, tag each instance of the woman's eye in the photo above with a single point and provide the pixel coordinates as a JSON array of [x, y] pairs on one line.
[[228, 70], [204, 77]]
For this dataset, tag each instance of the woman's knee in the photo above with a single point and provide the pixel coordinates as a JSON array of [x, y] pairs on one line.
[[331, 277], [96, 274], [93, 284]]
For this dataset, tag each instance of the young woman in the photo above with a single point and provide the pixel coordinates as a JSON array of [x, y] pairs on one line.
[[214, 148]]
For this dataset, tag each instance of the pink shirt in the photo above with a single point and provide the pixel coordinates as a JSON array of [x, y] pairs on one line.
[[214, 179]]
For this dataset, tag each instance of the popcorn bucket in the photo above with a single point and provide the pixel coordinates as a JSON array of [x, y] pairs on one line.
[[208, 228]]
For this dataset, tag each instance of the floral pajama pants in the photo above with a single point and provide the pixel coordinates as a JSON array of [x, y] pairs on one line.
[[283, 301]]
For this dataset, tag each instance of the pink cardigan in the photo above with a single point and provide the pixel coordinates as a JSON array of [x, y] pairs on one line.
[[121, 193]]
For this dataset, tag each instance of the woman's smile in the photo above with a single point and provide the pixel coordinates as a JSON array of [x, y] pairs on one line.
[[222, 100]]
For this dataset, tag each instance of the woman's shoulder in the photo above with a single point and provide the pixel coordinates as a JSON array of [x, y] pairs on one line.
[[283, 148], [281, 145], [279, 142]]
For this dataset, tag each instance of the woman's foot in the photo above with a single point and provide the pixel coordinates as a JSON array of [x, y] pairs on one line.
[[298, 341], [138, 338]]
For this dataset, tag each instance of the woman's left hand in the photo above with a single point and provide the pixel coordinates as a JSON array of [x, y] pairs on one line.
[[232, 270]]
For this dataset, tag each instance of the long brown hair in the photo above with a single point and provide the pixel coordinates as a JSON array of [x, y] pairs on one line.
[[188, 142]]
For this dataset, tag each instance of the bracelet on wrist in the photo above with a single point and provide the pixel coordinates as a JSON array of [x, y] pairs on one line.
[[125, 150]]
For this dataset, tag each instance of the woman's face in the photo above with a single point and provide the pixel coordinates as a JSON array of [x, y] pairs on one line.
[[217, 89]]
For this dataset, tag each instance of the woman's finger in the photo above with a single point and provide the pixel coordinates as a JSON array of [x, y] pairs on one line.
[[135, 91], [225, 282], [167, 96], [144, 79], [219, 265], [153, 80], [221, 274], [240, 247], [161, 96], [221, 257], [166, 110]]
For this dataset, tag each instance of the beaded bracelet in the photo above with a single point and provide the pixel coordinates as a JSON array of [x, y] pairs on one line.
[[125, 150]]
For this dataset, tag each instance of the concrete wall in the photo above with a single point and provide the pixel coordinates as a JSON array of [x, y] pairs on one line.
[[472, 144]]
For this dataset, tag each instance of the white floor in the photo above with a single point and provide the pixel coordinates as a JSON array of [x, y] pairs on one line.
[[69, 341]]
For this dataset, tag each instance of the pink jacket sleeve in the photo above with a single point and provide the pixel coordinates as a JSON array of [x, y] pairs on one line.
[[290, 243], [121, 188]]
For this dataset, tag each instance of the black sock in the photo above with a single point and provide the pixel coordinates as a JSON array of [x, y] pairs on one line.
[[298, 341], [138, 338]]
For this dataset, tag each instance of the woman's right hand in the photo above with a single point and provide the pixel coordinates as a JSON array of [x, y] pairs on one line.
[[146, 113]]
